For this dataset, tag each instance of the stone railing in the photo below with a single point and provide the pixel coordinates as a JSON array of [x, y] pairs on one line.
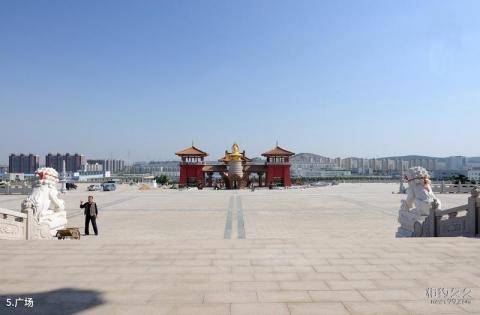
[[16, 225], [443, 188], [458, 221], [22, 188], [13, 225]]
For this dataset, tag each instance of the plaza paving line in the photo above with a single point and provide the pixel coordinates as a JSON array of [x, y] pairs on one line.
[[367, 206], [228, 224], [73, 214], [117, 201], [14, 199], [240, 219], [168, 210]]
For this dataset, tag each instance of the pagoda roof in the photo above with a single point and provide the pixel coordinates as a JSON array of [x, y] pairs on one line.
[[191, 151], [278, 151], [215, 168], [225, 158]]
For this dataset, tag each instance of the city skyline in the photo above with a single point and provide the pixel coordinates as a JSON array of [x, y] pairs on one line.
[[347, 78], [42, 157]]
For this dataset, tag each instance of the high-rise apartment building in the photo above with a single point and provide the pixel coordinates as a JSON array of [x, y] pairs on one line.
[[23, 163], [457, 162], [113, 166], [73, 162]]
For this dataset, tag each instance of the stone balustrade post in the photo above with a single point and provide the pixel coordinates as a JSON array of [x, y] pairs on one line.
[[432, 220], [473, 213], [30, 224]]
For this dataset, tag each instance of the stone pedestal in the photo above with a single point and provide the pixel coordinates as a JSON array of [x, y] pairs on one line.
[[412, 224], [23, 225]]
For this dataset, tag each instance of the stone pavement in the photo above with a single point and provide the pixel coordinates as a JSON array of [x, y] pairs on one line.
[[328, 250]]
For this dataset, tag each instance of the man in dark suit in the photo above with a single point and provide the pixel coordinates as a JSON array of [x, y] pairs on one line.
[[91, 214]]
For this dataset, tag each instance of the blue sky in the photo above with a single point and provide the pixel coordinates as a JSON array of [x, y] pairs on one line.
[[142, 79]]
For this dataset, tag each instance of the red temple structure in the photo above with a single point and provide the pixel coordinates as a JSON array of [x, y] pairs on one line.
[[278, 167], [235, 170], [191, 173]]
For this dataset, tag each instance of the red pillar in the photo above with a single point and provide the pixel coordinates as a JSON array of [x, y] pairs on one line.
[[269, 176], [200, 175], [183, 176], [287, 180]]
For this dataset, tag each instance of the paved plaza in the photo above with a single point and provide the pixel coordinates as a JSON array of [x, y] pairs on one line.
[[326, 250]]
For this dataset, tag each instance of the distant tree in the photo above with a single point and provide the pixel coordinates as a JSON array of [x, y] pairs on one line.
[[460, 179], [299, 181], [162, 179]]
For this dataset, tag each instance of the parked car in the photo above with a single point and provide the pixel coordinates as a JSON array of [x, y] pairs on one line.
[[109, 187], [94, 187], [70, 186]]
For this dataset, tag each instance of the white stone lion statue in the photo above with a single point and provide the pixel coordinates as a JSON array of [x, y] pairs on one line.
[[48, 209], [419, 192], [420, 200]]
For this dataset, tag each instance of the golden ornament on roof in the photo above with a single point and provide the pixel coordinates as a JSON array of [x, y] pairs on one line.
[[235, 155]]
